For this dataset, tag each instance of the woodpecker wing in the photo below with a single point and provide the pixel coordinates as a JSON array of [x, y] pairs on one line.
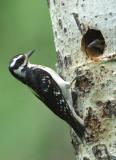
[[48, 91]]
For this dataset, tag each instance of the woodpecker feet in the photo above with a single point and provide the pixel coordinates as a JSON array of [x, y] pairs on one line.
[[73, 81]]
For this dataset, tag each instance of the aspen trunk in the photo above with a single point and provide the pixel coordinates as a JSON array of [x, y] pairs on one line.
[[84, 32]]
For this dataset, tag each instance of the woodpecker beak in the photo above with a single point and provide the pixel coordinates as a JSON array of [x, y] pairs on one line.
[[29, 53], [93, 43]]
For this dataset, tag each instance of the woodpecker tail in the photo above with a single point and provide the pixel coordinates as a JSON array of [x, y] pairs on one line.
[[78, 128]]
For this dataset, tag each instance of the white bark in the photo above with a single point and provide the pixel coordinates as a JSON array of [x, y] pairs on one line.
[[94, 92]]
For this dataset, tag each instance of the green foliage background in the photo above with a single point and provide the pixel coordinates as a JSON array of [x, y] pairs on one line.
[[28, 130]]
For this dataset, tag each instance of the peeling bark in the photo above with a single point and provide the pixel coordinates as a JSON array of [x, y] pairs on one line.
[[84, 35]]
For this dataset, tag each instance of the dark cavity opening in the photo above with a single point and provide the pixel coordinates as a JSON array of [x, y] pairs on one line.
[[93, 43]]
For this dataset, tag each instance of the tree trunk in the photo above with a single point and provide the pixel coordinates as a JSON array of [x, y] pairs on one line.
[[84, 35]]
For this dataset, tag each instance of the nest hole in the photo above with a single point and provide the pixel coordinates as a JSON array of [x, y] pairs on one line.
[[93, 43]]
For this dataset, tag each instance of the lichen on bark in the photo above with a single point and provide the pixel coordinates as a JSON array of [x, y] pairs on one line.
[[84, 32]]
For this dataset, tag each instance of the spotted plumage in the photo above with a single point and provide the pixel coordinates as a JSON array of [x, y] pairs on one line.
[[49, 87]]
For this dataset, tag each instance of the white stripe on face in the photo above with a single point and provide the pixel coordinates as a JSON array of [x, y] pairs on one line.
[[14, 60]]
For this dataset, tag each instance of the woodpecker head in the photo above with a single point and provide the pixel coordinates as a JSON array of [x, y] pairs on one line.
[[19, 62]]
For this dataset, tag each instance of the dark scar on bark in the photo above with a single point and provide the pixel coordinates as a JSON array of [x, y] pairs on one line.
[[79, 25]]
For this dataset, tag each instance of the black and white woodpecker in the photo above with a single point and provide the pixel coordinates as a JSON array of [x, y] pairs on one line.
[[49, 87]]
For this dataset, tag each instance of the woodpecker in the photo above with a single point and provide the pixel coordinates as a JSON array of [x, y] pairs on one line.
[[97, 46], [49, 87]]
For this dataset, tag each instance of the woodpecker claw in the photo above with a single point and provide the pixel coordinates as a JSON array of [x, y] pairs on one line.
[[72, 82]]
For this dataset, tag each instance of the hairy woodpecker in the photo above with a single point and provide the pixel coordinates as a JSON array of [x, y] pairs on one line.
[[97, 46], [49, 87]]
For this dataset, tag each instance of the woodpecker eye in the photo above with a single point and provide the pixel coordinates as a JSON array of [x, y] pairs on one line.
[[18, 61]]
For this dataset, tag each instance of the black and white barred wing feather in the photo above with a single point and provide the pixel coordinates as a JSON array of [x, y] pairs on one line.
[[48, 91]]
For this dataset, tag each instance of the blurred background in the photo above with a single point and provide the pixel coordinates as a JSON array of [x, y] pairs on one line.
[[28, 130]]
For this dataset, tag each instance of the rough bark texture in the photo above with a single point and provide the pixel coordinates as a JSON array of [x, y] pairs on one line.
[[77, 24]]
